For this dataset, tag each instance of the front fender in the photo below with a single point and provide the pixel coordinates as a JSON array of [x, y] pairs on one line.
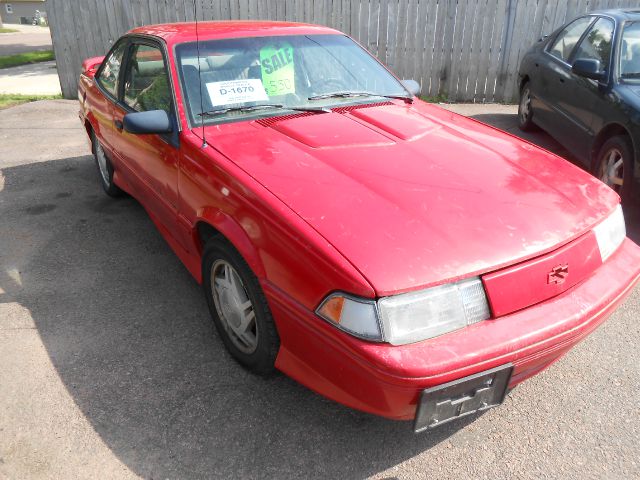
[[235, 233]]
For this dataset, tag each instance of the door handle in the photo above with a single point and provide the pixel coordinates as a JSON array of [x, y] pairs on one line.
[[119, 125]]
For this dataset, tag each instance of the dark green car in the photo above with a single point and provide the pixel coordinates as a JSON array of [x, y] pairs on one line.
[[581, 84]]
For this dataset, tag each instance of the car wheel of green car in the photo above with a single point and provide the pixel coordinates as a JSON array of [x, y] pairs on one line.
[[614, 165], [525, 110]]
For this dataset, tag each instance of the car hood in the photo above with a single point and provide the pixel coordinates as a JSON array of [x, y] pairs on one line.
[[413, 195]]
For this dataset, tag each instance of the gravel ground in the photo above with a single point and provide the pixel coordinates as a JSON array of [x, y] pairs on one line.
[[111, 368]]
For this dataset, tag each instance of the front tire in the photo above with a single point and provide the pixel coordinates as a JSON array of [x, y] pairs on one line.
[[614, 165], [105, 168], [239, 308], [525, 110]]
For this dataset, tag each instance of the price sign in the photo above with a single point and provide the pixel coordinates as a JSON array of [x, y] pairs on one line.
[[236, 91], [278, 72]]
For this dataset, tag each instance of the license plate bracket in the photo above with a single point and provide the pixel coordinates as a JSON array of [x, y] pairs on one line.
[[443, 403]]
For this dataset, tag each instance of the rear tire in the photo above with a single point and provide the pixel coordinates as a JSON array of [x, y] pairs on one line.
[[525, 110], [239, 308], [105, 168], [614, 166]]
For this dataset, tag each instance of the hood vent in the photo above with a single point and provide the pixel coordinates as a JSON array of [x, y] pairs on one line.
[[351, 108], [269, 122]]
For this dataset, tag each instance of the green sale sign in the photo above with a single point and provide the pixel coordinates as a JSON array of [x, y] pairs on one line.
[[278, 72]]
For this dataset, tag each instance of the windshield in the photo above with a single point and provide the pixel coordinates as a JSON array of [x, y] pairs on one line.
[[244, 78], [630, 52]]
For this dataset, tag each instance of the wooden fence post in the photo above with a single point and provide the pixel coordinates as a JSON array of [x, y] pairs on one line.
[[468, 50]]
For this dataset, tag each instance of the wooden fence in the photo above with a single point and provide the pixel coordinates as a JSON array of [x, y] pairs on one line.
[[461, 50]]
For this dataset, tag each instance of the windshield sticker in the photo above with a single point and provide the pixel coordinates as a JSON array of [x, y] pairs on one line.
[[278, 72], [236, 91]]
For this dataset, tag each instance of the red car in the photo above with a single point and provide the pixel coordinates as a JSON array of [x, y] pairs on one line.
[[390, 255]]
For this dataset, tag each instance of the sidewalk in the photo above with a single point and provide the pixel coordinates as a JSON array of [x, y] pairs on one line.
[[33, 79]]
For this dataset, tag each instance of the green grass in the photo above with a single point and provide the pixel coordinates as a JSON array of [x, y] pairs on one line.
[[25, 58], [11, 100], [8, 30], [440, 98]]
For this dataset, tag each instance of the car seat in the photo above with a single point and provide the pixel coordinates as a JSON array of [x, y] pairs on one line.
[[192, 84]]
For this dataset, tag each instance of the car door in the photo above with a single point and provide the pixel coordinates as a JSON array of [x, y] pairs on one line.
[[587, 98], [152, 160], [591, 102], [554, 82], [107, 80]]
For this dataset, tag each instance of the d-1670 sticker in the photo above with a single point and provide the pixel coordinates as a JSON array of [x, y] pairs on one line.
[[236, 91]]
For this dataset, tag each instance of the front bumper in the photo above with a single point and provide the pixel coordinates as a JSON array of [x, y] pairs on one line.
[[388, 380]]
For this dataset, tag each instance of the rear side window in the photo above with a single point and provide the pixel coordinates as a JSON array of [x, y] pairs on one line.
[[146, 83], [596, 45], [108, 77], [567, 39]]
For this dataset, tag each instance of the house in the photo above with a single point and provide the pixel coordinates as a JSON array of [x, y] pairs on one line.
[[21, 11]]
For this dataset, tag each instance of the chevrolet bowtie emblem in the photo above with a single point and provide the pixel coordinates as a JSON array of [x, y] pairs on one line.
[[558, 274]]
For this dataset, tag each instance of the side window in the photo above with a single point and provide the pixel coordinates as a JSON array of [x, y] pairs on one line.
[[566, 40], [108, 77], [597, 44], [146, 83]]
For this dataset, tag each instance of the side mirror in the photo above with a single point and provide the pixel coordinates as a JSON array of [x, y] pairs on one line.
[[413, 86], [588, 68], [153, 121]]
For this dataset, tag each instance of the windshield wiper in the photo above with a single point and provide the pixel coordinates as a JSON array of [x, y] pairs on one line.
[[630, 75], [358, 94], [251, 108]]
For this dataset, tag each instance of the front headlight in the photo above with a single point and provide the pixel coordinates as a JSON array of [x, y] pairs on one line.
[[610, 233], [409, 317], [416, 316]]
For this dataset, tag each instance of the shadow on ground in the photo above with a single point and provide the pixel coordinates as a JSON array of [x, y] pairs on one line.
[[129, 334], [509, 123]]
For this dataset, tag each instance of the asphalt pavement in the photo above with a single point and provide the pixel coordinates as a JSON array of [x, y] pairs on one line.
[[28, 38], [110, 366]]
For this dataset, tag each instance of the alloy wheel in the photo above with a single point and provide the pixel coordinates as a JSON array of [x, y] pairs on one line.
[[612, 169], [525, 106], [234, 306], [102, 164]]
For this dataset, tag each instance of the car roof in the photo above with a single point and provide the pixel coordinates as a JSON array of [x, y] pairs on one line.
[[620, 14], [174, 33]]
